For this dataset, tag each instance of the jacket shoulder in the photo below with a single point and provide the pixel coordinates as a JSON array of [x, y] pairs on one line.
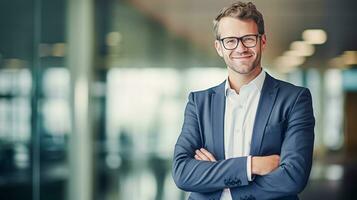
[[209, 91], [290, 88]]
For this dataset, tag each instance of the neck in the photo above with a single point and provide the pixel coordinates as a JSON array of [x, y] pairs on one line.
[[237, 80]]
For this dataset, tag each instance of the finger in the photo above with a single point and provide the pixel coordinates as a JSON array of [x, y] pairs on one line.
[[208, 154], [197, 157], [201, 155]]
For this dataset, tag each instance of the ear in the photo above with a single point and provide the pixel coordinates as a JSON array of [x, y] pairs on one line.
[[263, 41], [218, 47]]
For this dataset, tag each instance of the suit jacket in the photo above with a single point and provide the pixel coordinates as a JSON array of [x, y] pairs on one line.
[[284, 125]]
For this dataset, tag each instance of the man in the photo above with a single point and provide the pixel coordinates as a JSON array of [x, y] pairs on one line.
[[252, 136]]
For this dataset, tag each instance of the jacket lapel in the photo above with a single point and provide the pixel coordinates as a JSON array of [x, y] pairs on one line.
[[217, 116], [265, 106]]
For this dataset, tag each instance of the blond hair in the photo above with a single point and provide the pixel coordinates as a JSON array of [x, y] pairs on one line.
[[242, 11]]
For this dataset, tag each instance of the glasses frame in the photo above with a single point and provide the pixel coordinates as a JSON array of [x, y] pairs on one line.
[[240, 39]]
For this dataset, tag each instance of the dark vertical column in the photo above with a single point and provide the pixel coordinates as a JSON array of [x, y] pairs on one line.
[[36, 70], [351, 125]]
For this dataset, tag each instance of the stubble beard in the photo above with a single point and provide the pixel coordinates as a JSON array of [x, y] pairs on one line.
[[241, 69], [246, 67]]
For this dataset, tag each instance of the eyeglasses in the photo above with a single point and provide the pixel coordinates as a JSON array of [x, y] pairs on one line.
[[248, 41]]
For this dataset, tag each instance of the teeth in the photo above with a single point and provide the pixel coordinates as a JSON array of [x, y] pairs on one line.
[[243, 56]]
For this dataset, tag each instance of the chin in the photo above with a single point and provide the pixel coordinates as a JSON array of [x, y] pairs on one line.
[[243, 69]]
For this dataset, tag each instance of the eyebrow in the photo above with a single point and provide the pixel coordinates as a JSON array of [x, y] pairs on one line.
[[239, 36]]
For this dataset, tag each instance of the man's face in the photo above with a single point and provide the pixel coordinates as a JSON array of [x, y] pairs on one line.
[[241, 60]]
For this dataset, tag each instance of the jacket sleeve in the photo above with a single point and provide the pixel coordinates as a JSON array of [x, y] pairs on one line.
[[203, 176], [291, 176]]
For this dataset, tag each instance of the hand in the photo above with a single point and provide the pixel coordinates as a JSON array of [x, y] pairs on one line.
[[204, 155], [262, 165]]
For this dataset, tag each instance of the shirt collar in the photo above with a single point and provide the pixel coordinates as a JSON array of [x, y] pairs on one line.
[[257, 82]]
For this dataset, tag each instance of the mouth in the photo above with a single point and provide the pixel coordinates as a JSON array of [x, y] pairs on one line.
[[243, 57]]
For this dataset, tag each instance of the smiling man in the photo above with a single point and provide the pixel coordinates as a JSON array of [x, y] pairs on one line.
[[251, 137]]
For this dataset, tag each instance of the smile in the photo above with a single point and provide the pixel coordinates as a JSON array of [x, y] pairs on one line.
[[242, 57]]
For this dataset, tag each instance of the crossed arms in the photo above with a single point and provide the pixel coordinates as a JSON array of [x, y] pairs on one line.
[[261, 165], [198, 171]]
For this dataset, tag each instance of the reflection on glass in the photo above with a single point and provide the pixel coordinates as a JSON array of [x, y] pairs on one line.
[[15, 131], [144, 117], [333, 117]]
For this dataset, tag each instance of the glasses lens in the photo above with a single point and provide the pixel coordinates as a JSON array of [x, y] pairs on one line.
[[230, 43], [249, 40]]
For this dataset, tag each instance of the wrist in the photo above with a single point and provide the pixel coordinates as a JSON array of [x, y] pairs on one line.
[[255, 168]]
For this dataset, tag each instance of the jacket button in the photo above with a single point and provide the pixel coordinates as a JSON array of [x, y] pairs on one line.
[[226, 182], [239, 182], [229, 181]]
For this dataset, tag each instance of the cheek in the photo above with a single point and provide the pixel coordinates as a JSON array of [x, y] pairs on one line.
[[219, 49], [255, 52], [227, 56], [220, 53]]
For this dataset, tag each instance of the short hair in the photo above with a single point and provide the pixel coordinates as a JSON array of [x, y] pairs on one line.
[[242, 11]]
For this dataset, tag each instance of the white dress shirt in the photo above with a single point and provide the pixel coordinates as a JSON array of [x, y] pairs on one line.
[[239, 121]]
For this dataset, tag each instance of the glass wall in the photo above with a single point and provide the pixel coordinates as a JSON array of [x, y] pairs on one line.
[[34, 100], [102, 119]]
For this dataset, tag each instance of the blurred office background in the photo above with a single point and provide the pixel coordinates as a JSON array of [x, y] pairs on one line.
[[92, 92]]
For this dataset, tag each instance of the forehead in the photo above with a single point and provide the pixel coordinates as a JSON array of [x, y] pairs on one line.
[[229, 26]]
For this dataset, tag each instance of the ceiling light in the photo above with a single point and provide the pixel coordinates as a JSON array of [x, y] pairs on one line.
[[287, 64], [302, 48], [314, 36], [337, 62], [349, 57]]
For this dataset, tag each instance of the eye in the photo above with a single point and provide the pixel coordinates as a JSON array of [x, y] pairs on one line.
[[248, 39], [230, 41]]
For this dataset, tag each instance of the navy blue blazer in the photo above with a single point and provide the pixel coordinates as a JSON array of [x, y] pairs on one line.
[[284, 125]]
